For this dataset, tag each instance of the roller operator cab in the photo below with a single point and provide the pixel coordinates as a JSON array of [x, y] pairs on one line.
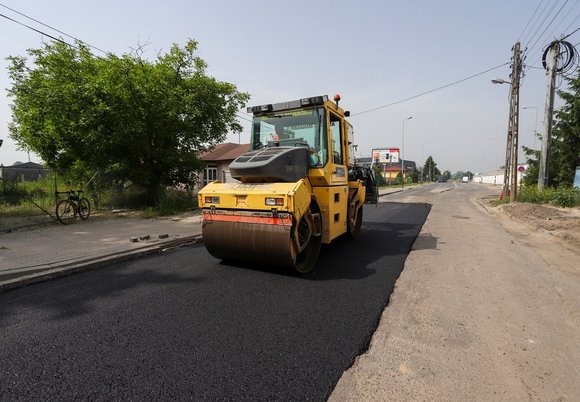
[[297, 187]]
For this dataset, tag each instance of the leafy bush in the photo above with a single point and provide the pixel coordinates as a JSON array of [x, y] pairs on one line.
[[125, 198], [176, 200], [562, 196], [567, 197], [535, 196]]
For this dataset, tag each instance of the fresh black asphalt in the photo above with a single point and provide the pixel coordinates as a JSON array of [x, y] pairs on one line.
[[183, 326]]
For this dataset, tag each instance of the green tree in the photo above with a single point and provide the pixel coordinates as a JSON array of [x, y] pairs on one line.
[[415, 176], [565, 141], [141, 121], [378, 171], [565, 147], [430, 170], [533, 166]]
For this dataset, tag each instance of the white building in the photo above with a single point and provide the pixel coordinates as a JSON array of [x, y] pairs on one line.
[[496, 177]]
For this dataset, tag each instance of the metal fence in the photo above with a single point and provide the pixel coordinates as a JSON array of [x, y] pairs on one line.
[[28, 195]]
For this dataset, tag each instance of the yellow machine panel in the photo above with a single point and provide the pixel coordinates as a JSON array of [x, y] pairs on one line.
[[333, 205], [286, 196]]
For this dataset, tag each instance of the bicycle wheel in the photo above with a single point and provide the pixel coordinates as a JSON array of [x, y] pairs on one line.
[[65, 211], [84, 208]]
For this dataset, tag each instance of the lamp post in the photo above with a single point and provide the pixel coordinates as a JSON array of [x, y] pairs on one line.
[[536, 123], [403, 154], [511, 159]]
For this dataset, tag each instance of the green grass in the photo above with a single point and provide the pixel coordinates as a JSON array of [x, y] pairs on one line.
[[495, 203]]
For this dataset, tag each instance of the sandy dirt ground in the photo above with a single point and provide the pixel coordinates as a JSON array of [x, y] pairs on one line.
[[486, 309], [553, 232]]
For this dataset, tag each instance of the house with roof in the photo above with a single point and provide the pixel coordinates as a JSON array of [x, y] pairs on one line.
[[389, 170], [218, 163], [23, 171]]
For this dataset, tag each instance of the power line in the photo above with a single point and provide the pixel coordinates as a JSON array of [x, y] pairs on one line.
[[569, 12], [572, 23], [550, 23], [64, 33], [532, 17], [570, 34], [48, 26], [430, 91], [547, 26], [525, 39], [36, 30], [537, 53], [243, 118]]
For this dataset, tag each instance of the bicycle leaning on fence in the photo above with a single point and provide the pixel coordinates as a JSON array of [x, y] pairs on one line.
[[68, 208]]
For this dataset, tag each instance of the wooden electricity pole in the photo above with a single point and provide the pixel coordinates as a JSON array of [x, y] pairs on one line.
[[544, 172], [510, 176]]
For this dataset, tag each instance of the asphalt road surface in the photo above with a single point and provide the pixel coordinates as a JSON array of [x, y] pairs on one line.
[[182, 325]]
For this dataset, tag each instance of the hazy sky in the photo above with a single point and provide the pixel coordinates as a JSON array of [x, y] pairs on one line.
[[371, 52]]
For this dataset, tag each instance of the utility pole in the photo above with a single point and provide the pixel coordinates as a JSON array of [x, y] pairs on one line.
[[510, 176], [403, 154], [544, 172]]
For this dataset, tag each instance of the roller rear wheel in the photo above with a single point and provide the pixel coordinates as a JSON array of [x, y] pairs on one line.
[[355, 217], [309, 242]]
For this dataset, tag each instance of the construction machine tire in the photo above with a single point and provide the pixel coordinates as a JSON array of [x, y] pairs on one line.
[[308, 242], [354, 220]]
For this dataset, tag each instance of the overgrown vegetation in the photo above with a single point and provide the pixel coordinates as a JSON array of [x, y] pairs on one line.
[[563, 196], [25, 199]]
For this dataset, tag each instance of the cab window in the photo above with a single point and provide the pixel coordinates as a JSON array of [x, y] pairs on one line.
[[336, 130]]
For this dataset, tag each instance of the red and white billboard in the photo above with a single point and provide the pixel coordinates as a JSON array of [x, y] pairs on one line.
[[386, 155]]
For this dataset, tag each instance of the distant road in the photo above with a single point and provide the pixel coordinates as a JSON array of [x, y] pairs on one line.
[[182, 325]]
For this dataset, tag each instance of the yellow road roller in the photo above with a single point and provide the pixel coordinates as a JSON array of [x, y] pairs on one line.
[[296, 188]]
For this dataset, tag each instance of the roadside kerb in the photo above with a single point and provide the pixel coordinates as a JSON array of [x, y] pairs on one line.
[[389, 191], [97, 262]]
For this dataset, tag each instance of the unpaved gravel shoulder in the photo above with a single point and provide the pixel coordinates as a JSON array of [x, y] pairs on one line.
[[477, 314], [552, 232]]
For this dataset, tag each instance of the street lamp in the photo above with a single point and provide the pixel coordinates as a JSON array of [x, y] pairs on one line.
[[511, 155], [403, 154], [536, 124]]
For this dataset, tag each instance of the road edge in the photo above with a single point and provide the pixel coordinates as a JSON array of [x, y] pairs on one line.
[[95, 263]]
